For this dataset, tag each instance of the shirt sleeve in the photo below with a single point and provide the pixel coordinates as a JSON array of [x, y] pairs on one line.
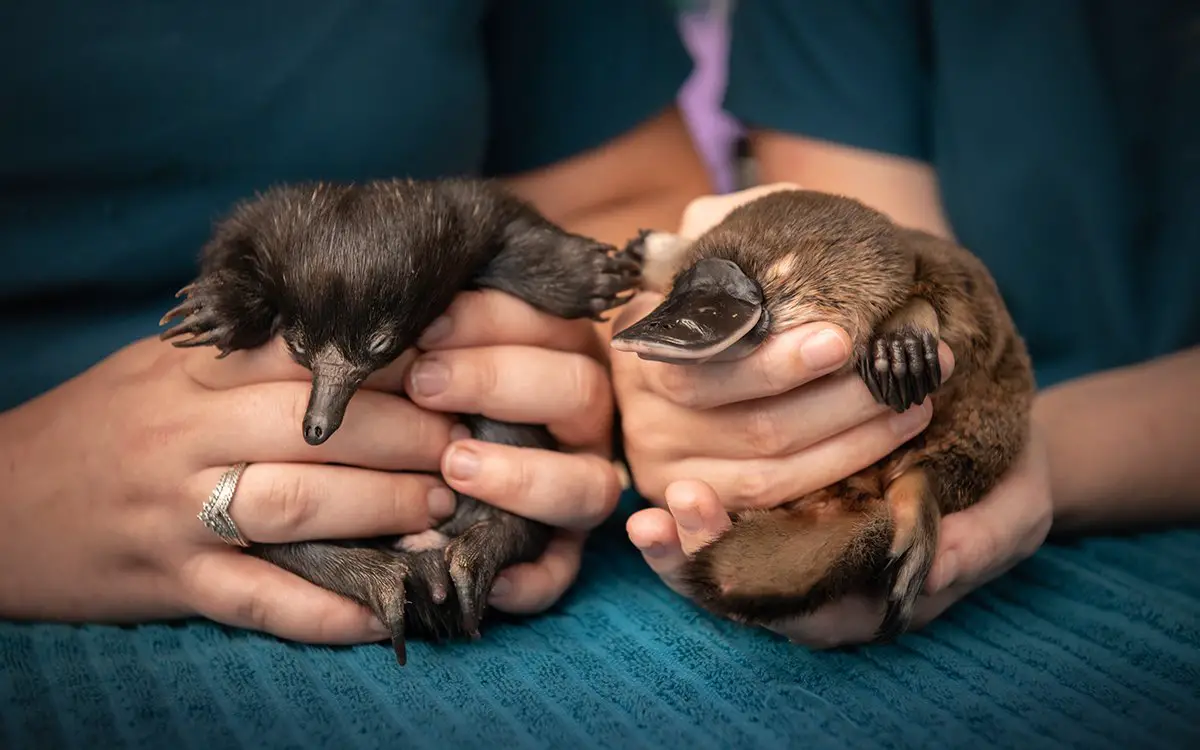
[[854, 72], [566, 77]]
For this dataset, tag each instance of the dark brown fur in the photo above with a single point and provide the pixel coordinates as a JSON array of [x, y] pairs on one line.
[[350, 276], [896, 291]]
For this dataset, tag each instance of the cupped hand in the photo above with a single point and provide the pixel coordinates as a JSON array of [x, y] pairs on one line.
[[975, 546], [754, 433], [764, 429], [105, 474], [495, 355]]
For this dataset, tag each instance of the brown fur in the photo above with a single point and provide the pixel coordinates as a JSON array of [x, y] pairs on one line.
[[821, 257]]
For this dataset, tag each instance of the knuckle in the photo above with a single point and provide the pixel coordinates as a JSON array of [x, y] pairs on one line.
[[764, 433], [592, 394], [287, 504], [593, 389], [752, 488], [296, 405], [677, 385], [477, 374], [155, 437], [429, 434], [517, 480], [603, 501], [400, 502], [254, 611], [769, 369]]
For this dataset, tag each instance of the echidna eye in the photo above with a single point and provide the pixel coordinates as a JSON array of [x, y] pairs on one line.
[[380, 343]]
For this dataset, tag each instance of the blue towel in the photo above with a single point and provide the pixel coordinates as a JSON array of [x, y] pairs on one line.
[[1094, 645]]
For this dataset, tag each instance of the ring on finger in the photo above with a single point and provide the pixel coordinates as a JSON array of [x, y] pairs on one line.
[[215, 513]]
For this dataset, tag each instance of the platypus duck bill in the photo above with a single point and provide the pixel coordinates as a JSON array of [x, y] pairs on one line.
[[715, 312]]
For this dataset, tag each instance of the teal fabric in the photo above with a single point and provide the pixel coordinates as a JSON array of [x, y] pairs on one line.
[[128, 127], [125, 128], [1063, 135], [1093, 646]]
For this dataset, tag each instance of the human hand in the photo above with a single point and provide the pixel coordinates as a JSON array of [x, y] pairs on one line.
[[105, 474], [495, 355], [760, 430], [975, 546]]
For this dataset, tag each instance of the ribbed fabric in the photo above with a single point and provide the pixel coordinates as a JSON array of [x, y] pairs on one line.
[[1096, 645]]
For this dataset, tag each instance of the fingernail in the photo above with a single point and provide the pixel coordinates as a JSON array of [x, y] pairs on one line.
[[437, 331], [459, 432], [463, 463], [911, 421], [379, 629], [823, 350], [688, 517], [501, 587], [655, 550], [429, 377], [441, 502]]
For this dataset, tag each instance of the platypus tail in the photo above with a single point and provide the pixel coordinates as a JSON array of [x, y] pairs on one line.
[[791, 560]]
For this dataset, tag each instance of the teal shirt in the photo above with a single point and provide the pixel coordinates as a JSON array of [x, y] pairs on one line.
[[1065, 136], [128, 128]]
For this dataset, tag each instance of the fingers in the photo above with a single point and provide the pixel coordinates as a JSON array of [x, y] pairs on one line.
[[665, 546], [271, 362], [654, 532], [707, 211], [764, 428], [767, 482], [667, 538], [246, 592], [569, 393], [276, 503], [527, 588], [781, 364], [984, 541], [263, 423], [573, 491], [699, 517], [494, 318]]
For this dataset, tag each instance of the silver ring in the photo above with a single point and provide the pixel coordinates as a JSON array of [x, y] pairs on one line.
[[215, 513]]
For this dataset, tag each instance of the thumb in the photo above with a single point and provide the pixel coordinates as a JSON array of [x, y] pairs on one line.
[[968, 545], [985, 540], [707, 211]]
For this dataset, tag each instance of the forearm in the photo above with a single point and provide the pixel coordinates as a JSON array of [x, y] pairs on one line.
[[904, 189], [1124, 446]]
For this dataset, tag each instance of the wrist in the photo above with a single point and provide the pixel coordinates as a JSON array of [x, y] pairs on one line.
[[1121, 447]]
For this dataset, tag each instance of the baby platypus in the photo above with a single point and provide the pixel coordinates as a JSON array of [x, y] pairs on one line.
[[797, 256], [350, 275]]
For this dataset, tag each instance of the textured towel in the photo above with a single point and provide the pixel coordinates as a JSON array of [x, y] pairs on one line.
[[1096, 645]]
